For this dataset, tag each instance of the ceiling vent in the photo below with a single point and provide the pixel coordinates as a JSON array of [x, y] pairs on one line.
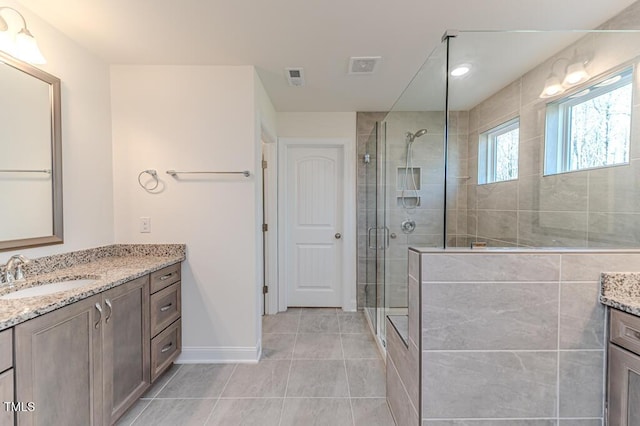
[[295, 76], [363, 65]]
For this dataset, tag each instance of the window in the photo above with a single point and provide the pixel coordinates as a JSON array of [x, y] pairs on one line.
[[590, 128], [498, 153]]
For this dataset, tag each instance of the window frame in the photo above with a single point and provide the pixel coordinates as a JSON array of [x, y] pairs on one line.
[[487, 155], [557, 147]]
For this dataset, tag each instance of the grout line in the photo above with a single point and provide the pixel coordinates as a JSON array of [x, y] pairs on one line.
[[157, 393], [510, 350], [167, 382], [228, 398], [558, 342], [340, 359], [196, 398], [346, 375], [231, 398], [221, 392], [438, 419], [142, 411], [286, 388]]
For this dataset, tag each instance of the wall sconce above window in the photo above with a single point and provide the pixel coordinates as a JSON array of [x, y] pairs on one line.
[[19, 42], [573, 74]]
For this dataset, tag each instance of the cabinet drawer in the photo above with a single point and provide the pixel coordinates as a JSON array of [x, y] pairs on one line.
[[165, 308], [165, 348], [164, 277], [625, 330], [6, 349]]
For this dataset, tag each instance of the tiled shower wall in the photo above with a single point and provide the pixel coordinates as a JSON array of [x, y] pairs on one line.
[[591, 208], [428, 157], [514, 338]]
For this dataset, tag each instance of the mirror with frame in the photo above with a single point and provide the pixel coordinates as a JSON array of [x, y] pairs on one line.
[[30, 156]]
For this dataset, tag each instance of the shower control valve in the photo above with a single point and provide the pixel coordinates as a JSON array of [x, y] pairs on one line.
[[408, 226]]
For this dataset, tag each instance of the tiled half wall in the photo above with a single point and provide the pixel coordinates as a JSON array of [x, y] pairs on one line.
[[514, 337]]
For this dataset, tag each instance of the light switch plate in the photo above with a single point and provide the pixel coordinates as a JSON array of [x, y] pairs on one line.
[[145, 224]]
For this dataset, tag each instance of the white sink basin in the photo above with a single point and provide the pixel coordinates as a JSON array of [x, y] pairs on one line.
[[45, 289]]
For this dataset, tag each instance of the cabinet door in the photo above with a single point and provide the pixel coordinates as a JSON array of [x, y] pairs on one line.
[[6, 395], [126, 358], [624, 387], [58, 366]]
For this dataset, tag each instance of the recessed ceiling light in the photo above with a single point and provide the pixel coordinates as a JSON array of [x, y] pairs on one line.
[[460, 70]]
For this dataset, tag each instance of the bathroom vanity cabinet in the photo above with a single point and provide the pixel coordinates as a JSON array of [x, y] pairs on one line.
[[88, 362], [624, 370]]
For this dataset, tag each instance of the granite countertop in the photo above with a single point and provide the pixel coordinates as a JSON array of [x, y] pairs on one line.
[[109, 266], [621, 291]]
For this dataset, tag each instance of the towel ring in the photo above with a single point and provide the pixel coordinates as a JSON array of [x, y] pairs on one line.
[[154, 176]]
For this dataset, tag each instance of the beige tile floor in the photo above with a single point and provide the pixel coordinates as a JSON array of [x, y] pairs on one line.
[[318, 367]]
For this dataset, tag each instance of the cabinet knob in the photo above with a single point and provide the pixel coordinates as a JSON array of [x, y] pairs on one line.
[[338, 236]]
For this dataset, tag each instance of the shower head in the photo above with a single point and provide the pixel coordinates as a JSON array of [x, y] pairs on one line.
[[413, 136]]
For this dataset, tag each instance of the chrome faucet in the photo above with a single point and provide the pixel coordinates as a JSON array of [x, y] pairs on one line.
[[13, 269]]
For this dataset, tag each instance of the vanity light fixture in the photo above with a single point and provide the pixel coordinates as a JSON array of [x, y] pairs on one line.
[[19, 44], [573, 74]]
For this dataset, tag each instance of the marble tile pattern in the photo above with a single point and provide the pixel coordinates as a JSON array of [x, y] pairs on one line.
[[621, 291], [109, 266]]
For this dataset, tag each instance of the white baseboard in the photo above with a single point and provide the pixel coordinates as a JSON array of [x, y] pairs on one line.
[[219, 355]]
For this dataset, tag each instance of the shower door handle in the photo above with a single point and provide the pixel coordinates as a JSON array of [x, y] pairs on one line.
[[369, 238], [386, 238]]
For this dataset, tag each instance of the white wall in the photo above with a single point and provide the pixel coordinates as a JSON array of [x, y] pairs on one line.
[[86, 140], [317, 125], [196, 118]]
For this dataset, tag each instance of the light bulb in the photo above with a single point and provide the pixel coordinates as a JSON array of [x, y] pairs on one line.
[[7, 42], [576, 74], [552, 87], [27, 48]]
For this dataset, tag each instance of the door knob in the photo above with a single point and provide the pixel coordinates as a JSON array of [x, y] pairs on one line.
[[338, 236]]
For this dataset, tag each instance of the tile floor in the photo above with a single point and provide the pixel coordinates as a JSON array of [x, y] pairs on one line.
[[318, 367]]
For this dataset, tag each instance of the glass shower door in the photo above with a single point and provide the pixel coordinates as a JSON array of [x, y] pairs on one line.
[[377, 237], [371, 288]]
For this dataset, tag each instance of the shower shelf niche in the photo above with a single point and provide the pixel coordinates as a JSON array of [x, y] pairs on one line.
[[412, 179]]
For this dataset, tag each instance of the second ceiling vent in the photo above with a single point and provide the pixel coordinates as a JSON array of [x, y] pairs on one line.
[[295, 76], [363, 64]]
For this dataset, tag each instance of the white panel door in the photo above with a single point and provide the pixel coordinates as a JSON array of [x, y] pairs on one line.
[[314, 180]]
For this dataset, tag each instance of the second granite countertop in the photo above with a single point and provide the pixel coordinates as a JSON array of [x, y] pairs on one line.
[[108, 272], [621, 291]]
